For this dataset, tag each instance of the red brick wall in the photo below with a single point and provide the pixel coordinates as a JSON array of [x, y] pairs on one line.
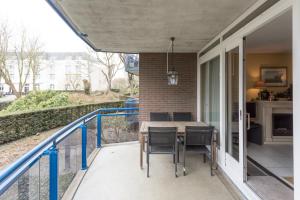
[[155, 93]]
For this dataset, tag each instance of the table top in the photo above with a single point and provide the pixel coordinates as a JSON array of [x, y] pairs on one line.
[[180, 125]]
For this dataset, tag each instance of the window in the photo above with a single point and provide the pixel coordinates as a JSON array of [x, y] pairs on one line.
[[37, 86], [52, 76], [12, 77], [68, 69], [37, 76], [26, 88], [11, 69], [51, 68], [1, 87], [52, 86], [78, 69], [67, 86]]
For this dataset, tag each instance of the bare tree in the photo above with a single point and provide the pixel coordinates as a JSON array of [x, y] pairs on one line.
[[111, 63], [74, 81], [26, 53], [4, 71], [87, 66], [34, 59], [21, 54]]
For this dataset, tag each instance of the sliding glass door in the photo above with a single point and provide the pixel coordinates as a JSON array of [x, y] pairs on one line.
[[234, 108], [210, 92], [214, 92]]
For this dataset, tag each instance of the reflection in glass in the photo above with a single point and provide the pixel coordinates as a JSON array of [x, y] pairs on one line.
[[232, 86]]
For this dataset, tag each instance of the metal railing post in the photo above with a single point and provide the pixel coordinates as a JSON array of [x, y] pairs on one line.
[[53, 185], [83, 146], [99, 129]]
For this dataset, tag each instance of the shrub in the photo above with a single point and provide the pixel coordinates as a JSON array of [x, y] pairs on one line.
[[20, 125], [38, 100]]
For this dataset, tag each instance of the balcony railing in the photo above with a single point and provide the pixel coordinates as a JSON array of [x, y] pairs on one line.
[[46, 171]]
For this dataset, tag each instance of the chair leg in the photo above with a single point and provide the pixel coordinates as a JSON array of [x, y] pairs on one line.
[[178, 154], [211, 169], [184, 171], [211, 165], [148, 164], [174, 158], [204, 158], [176, 166]]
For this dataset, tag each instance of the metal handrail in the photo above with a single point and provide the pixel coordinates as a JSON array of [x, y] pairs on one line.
[[7, 172]]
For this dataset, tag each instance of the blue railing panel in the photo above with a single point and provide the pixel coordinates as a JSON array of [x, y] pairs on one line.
[[91, 136], [32, 184], [11, 193], [70, 160], [116, 128], [44, 167], [44, 173]]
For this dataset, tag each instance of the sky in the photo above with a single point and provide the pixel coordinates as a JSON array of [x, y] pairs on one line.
[[40, 20]]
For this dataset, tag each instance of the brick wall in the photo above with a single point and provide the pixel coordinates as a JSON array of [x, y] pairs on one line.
[[155, 93]]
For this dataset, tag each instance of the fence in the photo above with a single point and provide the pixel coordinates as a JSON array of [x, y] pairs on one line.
[[46, 171]]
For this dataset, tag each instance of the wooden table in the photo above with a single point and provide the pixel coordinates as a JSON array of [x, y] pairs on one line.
[[180, 129]]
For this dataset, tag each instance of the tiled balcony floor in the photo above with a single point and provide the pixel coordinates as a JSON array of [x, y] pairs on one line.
[[115, 175]]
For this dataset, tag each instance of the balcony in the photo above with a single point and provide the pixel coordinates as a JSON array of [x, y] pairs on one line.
[[115, 174], [75, 164]]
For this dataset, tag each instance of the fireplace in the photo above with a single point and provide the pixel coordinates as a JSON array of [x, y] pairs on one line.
[[282, 124]]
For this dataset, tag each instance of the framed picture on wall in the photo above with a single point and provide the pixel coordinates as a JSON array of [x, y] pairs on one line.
[[273, 76]]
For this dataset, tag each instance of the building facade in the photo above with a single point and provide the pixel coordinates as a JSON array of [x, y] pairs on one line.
[[62, 71]]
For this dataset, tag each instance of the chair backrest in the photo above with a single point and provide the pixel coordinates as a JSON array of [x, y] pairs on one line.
[[199, 135], [182, 116], [162, 136], [159, 116]]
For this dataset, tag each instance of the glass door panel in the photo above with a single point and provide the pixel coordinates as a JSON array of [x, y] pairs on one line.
[[232, 102], [204, 92]]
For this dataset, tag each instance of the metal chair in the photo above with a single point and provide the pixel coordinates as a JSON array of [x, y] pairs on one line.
[[196, 139], [182, 116], [159, 116], [162, 140]]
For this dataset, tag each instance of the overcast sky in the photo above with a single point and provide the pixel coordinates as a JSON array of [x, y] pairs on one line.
[[40, 19]]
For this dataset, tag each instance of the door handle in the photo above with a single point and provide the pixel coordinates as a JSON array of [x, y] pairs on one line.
[[248, 120]]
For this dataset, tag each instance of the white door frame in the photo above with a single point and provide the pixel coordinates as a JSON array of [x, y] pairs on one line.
[[276, 10], [233, 167]]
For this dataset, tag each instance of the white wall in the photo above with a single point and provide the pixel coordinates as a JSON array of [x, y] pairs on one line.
[[296, 96]]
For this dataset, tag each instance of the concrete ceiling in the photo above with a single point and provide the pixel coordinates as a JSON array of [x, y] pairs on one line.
[[275, 37], [146, 25]]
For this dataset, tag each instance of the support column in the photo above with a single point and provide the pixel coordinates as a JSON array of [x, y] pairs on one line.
[[99, 129], [296, 96], [53, 172], [83, 147]]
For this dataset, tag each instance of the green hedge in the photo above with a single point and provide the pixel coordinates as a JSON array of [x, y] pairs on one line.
[[20, 125]]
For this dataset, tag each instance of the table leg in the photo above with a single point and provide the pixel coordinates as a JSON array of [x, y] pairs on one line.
[[142, 146], [215, 150]]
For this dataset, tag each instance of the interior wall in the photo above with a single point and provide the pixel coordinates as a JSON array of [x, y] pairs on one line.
[[255, 61]]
